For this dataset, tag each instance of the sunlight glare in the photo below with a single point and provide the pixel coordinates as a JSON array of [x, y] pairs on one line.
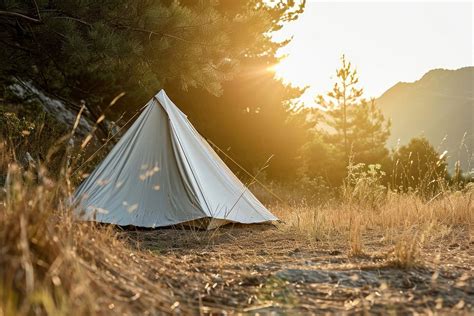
[[391, 42]]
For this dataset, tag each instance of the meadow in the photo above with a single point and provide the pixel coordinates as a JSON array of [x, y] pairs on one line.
[[369, 250]]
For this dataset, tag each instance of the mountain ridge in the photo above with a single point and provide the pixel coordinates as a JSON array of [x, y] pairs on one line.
[[439, 106]]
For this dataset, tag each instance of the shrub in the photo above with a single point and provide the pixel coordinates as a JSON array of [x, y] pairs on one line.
[[418, 167]]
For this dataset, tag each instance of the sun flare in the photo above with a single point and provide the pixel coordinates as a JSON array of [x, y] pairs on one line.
[[383, 55]]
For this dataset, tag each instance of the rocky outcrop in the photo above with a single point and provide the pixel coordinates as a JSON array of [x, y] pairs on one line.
[[57, 108]]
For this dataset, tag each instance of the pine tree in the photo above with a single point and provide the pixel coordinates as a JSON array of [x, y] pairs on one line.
[[94, 50], [369, 132], [352, 129], [339, 101], [353, 124], [253, 118]]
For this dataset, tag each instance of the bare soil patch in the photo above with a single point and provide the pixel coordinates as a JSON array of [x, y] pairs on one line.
[[266, 269]]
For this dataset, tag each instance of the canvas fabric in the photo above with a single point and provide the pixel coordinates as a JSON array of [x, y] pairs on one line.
[[163, 172]]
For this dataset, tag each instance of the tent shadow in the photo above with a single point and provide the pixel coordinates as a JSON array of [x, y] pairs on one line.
[[184, 237]]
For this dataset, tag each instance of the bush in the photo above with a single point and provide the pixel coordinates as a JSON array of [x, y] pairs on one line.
[[418, 167]]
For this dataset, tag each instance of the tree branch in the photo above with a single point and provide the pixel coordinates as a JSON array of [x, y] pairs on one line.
[[19, 15], [37, 10], [150, 32], [73, 19]]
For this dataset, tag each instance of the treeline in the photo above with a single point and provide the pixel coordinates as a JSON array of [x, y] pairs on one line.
[[213, 59], [319, 148]]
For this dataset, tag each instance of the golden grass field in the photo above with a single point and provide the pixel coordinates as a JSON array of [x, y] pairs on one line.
[[385, 253]]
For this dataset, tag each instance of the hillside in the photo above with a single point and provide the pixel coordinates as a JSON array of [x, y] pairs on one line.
[[438, 106]]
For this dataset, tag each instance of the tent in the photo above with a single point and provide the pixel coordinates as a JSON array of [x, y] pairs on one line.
[[162, 172]]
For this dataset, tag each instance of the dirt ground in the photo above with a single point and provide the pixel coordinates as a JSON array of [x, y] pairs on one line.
[[264, 269]]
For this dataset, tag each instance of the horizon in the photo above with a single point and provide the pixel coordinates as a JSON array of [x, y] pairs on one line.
[[312, 56]]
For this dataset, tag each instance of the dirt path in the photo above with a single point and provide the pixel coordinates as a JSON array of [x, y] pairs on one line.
[[263, 269]]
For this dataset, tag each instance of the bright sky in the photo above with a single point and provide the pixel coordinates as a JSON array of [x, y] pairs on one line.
[[388, 42]]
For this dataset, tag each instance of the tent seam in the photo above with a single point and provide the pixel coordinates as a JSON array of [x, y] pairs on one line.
[[186, 158]]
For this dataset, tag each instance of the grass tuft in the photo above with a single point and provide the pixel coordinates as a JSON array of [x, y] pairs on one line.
[[51, 264]]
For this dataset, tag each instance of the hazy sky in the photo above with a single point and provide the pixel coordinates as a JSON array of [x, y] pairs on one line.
[[388, 42]]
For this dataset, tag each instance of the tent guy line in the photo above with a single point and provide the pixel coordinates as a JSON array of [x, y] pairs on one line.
[[207, 139], [244, 170], [107, 140]]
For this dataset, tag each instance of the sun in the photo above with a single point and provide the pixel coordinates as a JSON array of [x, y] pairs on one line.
[[290, 72], [285, 72]]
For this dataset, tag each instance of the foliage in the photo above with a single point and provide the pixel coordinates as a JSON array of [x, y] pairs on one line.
[[350, 130], [417, 166], [30, 133], [318, 159], [95, 50], [254, 118]]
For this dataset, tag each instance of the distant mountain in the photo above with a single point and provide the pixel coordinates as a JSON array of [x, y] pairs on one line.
[[439, 106]]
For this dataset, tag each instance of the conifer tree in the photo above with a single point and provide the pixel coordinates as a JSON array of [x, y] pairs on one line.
[[342, 98], [254, 117], [351, 123], [94, 50], [350, 129]]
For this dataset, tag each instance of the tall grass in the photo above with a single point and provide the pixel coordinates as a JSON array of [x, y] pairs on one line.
[[51, 264], [403, 219]]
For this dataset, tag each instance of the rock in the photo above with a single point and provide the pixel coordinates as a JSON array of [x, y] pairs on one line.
[[304, 276], [348, 278], [251, 281], [55, 107]]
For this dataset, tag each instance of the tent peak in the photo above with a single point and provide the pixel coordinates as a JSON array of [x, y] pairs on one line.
[[161, 93]]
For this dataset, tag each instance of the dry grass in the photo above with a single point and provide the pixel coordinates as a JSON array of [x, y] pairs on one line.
[[50, 264], [264, 269], [404, 220]]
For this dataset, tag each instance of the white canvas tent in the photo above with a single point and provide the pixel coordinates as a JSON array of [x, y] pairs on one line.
[[161, 173]]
